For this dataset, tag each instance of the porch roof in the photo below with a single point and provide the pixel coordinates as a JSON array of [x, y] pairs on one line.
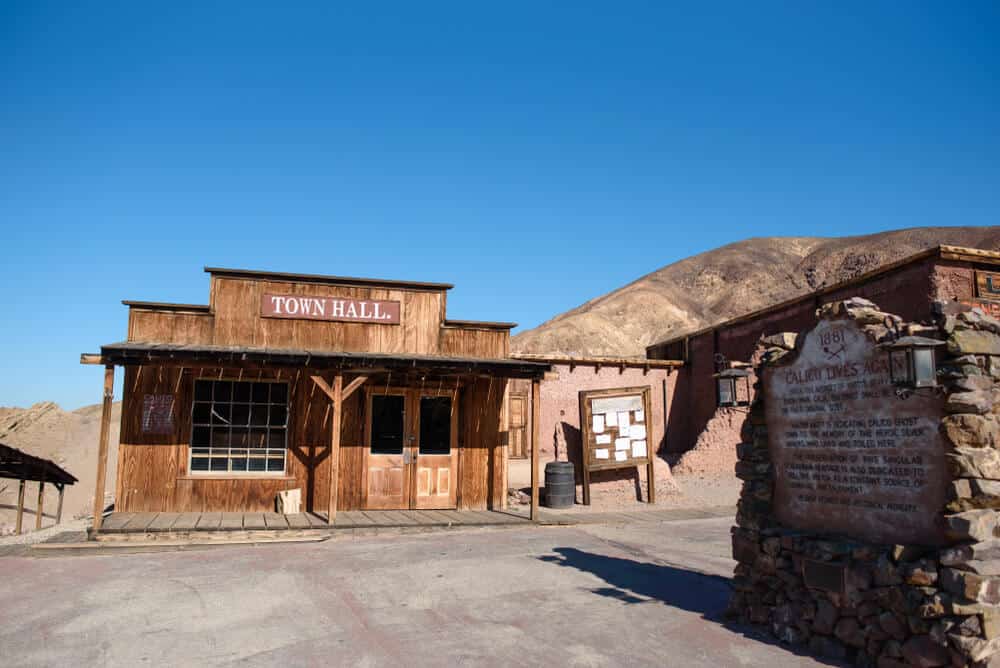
[[133, 352], [22, 466]]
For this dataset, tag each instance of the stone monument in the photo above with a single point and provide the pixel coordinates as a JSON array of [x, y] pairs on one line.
[[867, 526]]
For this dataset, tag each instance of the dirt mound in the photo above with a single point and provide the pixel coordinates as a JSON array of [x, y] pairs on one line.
[[623, 488], [739, 278], [67, 438], [714, 452]]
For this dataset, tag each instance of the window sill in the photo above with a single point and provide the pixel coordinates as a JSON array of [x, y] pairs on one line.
[[234, 476]]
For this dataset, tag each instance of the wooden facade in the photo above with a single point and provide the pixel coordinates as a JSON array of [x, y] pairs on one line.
[[170, 347]]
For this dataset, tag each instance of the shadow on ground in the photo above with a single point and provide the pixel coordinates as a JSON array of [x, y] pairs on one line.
[[632, 582]]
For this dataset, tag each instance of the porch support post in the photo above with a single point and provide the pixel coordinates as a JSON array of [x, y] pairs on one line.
[[102, 448], [535, 427], [337, 412], [39, 505], [62, 490], [20, 507]]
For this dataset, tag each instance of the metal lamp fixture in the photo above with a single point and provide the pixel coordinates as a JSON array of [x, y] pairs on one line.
[[912, 364], [727, 386]]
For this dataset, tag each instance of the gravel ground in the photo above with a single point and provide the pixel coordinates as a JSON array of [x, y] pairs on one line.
[[46, 533]]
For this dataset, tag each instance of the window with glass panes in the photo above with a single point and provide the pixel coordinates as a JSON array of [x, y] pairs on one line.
[[239, 426]]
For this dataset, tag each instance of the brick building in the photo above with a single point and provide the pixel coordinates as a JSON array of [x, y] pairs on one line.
[[908, 287]]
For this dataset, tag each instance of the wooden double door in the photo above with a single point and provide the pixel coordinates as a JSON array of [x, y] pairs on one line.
[[411, 449]]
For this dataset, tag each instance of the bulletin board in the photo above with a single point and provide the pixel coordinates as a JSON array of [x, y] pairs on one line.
[[616, 434]]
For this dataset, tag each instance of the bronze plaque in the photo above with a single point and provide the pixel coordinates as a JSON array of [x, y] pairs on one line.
[[850, 457], [824, 575], [340, 309]]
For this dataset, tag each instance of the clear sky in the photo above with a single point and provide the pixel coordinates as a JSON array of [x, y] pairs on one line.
[[535, 154]]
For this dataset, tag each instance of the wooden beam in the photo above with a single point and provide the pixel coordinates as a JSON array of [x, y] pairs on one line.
[[20, 507], [536, 386], [39, 505], [59, 507], [102, 447], [352, 386], [327, 390], [90, 358], [337, 397]]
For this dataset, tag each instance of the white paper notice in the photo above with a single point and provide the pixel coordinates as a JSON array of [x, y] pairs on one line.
[[599, 424], [622, 443], [638, 448], [640, 416], [637, 431], [601, 453], [623, 423], [621, 456], [603, 439], [611, 420]]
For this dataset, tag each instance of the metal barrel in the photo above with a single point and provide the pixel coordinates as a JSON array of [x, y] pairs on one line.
[[560, 485]]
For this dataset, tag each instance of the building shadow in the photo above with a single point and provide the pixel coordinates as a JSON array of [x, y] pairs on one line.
[[634, 582]]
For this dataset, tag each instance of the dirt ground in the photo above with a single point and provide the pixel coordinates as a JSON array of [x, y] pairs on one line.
[[697, 490], [540, 596]]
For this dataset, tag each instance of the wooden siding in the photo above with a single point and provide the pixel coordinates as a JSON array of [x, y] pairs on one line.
[[153, 475], [236, 304], [474, 342], [169, 326], [481, 469]]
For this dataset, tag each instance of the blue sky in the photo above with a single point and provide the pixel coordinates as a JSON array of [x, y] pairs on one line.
[[534, 154]]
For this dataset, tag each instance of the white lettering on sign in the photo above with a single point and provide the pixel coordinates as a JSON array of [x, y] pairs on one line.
[[330, 308]]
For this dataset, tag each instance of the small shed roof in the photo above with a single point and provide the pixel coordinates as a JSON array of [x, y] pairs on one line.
[[22, 466]]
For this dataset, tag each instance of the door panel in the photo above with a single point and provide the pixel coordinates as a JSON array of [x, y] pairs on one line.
[[387, 473], [518, 426], [437, 452], [411, 458]]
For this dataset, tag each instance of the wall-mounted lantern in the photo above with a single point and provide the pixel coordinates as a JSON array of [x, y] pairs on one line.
[[732, 388], [912, 364]]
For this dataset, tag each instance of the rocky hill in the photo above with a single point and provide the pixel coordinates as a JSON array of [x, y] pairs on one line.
[[720, 284], [67, 438]]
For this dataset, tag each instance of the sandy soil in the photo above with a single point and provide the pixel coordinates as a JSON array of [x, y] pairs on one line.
[[698, 490]]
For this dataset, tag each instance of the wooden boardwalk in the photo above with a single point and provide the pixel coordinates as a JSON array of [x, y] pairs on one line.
[[144, 523]]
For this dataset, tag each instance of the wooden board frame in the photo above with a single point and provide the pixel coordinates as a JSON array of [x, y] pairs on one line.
[[985, 287], [588, 440]]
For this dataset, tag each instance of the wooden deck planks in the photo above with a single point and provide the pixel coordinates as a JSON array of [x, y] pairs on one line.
[[139, 522], [349, 518], [317, 522], [186, 522], [453, 516], [116, 521], [195, 522], [163, 522], [400, 517], [430, 518], [375, 518]]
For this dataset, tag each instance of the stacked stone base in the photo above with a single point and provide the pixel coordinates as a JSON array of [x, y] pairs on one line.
[[873, 605]]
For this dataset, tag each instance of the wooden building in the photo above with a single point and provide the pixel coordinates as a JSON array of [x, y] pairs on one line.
[[361, 393]]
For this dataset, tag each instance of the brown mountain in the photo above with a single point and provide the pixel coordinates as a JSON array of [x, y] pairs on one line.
[[69, 438], [720, 284]]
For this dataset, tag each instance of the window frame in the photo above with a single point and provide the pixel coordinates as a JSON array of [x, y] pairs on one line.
[[267, 427]]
